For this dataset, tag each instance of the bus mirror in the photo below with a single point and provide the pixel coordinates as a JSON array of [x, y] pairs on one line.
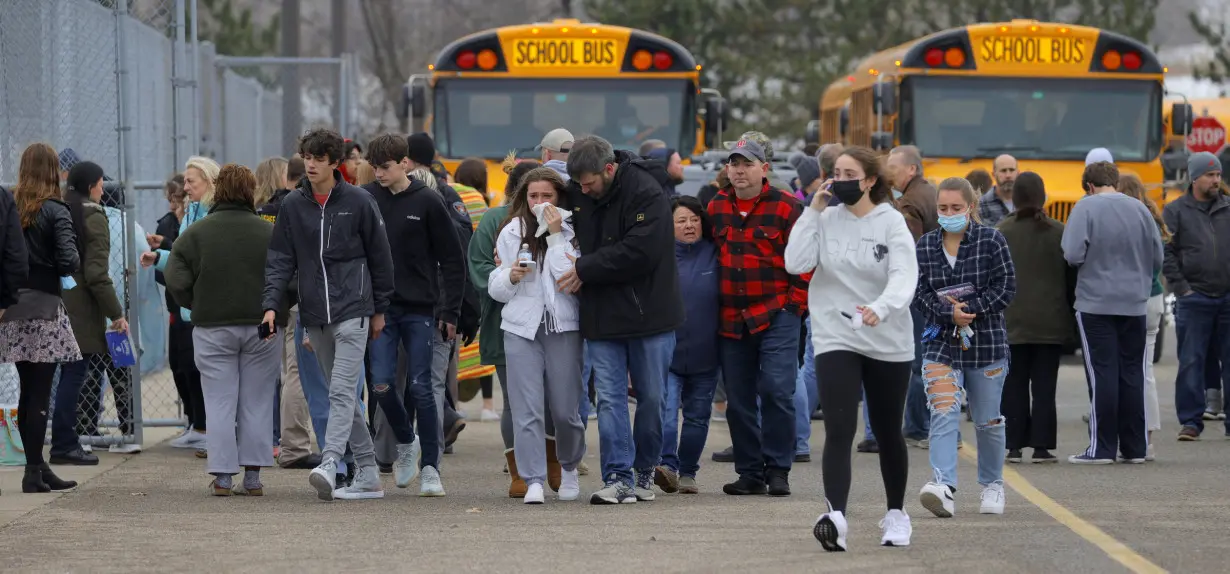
[[717, 116], [1173, 162], [843, 122], [882, 141], [1180, 119], [812, 135], [885, 98], [418, 100]]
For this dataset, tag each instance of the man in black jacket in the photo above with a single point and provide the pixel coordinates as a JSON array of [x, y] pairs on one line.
[[14, 261], [630, 306], [332, 235], [426, 257]]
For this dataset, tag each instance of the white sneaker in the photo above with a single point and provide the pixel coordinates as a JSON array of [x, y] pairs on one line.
[[830, 530], [429, 484], [192, 440], [992, 499], [406, 467], [124, 449], [938, 499], [489, 416], [323, 478], [569, 485], [1150, 453], [533, 495], [87, 448], [366, 485], [897, 529]]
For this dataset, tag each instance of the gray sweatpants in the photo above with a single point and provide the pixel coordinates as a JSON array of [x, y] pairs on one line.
[[339, 350], [506, 417], [545, 370], [443, 368], [239, 378]]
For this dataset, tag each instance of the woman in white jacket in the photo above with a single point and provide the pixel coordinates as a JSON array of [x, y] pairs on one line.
[[865, 275], [542, 338]]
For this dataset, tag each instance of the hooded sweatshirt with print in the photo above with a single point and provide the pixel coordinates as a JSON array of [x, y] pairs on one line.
[[867, 260]]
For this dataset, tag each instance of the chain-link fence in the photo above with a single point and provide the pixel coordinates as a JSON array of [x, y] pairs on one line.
[[103, 81]]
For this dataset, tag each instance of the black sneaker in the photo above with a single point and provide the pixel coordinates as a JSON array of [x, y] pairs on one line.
[[385, 468], [869, 446], [778, 482], [75, 457], [802, 457], [745, 487], [727, 455], [1042, 456], [1014, 456], [818, 415]]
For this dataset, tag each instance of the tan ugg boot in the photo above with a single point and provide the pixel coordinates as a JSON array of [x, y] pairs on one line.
[[518, 487], [554, 470]]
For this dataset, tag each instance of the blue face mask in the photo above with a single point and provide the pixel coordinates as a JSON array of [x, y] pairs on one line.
[[954, 223], [897, 194], [628, 131]]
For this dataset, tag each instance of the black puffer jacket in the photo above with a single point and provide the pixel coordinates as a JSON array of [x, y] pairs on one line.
[[627, 264], [14, 259], [340, 251], [52, 246]]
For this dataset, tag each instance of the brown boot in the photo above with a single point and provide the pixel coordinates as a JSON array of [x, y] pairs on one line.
[[518, 487], [554, 470]]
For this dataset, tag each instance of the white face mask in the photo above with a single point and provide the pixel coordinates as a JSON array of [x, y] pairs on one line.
[[897, 193]]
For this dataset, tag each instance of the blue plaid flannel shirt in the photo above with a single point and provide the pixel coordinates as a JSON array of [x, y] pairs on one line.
[[983, 262]]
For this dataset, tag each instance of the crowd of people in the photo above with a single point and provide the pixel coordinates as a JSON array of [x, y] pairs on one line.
[[348, 272]]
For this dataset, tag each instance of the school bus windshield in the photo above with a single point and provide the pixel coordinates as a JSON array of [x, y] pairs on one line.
[[488, 117], [1031, 118]]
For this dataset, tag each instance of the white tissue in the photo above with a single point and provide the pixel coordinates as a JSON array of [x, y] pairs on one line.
[[540, 212]]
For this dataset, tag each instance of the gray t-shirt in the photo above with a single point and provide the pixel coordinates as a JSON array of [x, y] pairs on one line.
[[1117, 247]]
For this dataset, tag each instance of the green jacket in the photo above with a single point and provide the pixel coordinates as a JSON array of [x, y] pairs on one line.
[[93, 300], [482, 263], [1041, 313], [217, 268]]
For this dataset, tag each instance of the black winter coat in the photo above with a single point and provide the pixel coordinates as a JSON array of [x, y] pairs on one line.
[[14, 258], [627, 265]]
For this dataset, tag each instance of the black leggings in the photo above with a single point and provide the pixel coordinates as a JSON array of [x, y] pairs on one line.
[[32, 407], [841, 387]]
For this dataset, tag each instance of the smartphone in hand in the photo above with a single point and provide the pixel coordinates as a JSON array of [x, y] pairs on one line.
[[266, 330]]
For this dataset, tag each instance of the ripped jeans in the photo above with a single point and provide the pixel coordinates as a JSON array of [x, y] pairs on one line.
[[985, 386]]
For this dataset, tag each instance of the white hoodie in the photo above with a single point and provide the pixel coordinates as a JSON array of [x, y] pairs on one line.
[[527, 301], [866, 261]]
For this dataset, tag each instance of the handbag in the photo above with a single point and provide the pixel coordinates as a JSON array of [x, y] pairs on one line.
[[12, 452], [33, 304]]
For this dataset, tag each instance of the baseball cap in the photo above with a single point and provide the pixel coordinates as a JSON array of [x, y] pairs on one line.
[[558, 139], [748, 149], [1098, 154]]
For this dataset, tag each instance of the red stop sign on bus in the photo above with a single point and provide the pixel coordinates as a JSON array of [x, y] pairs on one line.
[[1207, 135]]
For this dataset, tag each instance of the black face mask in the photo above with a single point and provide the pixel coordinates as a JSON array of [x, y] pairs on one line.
[[847, 191]]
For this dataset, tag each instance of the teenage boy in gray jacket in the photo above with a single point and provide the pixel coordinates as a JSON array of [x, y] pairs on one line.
[[1116, 247], [332, 235]]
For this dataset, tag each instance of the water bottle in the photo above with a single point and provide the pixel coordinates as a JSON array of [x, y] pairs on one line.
[[525, 258]]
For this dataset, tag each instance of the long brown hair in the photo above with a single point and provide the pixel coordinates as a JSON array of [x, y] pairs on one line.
[[38, 179], [1131, 186], [1029, 198], [520, 208], [515, 170]]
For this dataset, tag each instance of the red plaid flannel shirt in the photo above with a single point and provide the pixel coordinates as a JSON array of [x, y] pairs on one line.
[[752, 260]]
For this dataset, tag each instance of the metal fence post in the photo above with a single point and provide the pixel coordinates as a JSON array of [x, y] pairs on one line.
[[196, 80], [182, 113], [125, 104], [341, 96]]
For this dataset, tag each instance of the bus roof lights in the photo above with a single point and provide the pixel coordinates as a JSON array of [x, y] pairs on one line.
[[1111, 60], [1131, 61], [954, 57], [934, 57], [663, 61], [642, 60], [466, 60], [487, 59]]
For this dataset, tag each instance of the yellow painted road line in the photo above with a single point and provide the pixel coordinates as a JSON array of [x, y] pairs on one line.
[[1118, 551]]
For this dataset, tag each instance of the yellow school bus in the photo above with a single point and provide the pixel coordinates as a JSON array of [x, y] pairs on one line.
[[502, 89], [1044, 93]]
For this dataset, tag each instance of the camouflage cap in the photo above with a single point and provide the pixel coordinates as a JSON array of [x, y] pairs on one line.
[[757, 137]]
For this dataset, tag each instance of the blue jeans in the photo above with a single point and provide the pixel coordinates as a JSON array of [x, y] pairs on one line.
[[806, 396], [867, 434], [316, 392], [625, 446], [985, 387], [64, 438], [681, 450], [415, 334], [586, 370], [763, 366], [917, 415], [1199, 322]]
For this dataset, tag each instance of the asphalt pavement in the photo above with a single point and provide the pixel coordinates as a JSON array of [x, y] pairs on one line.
[[151, 513]]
